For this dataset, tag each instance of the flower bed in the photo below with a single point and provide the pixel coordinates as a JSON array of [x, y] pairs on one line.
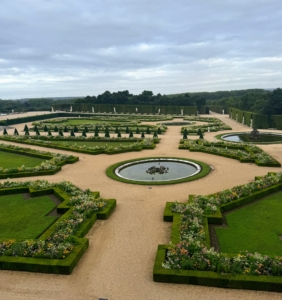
[[213, 124], [60, 247], [50, 166], [189, 257], [244, 152], [136, 145]]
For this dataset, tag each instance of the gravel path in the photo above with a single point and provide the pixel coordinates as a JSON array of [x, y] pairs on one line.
[[119, 262]]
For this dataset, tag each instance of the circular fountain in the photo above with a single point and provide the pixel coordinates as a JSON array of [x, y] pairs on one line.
[[158, 171], [254, 136]]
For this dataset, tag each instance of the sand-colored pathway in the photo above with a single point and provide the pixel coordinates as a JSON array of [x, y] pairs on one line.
[[119, 262]]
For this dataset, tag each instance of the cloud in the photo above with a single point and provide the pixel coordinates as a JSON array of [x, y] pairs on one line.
[[65, 48]]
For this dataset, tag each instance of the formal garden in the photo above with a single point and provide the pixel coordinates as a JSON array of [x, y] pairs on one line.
[[216, 240]]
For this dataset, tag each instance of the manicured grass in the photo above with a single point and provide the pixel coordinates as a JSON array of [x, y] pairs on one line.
[[89, 121], [255, 228], [24, 219], [93, 143], [11, 160]]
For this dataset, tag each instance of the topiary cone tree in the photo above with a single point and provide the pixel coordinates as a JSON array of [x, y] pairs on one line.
[[26, 132], [61, 133], [86, 129], [45, 128], [35, 128], [37, 132], [5, 131], [126, 129], [137, 130], [16, 132], [184, 136], [185, 131], [25, 127], [107, 133], [119, 134], [199, 131], [131, 134], [66, 129], [84, 133], [201, 135], [72, 133], [49, 133], [159, 131], [155, 135], [142, 135], [116, 130], [96, 134], [56, 129], [148, 131], [75, 129]]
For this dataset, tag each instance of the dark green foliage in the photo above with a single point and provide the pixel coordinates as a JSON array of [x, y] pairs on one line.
[[84, 133], [116, 130], [126, 129], [37, 132], [107, 132], [118, 134], [201, 135], [66, 129], [35, 128], [137, 130], [142, 135], [199, 131], [148, 131], [184, 136], [16, 132], [96, 134], [45, 128], [5, 131], [86, 129], [130, 134], [56, 129], [155, 134], [72, 133], [26, 132], [75, 129], [159, 131], [60, 132], [185, 131], [97, 129], [25, 128], [49, 132]]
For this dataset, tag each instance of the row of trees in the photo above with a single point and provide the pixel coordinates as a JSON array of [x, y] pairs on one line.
[[259, 101], [146, 97]]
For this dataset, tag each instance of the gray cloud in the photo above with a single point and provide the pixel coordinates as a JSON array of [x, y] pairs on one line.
[[64, 48]]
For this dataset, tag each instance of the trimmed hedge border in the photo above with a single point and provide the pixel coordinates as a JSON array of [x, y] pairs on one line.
[[210, 278], [228, 146], [204, 172], [55, 266], [93, 152], [33, 153]]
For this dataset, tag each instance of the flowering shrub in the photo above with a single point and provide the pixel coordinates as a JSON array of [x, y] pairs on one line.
[[191, 253], [62, 241], [250, 152], [214, 124]]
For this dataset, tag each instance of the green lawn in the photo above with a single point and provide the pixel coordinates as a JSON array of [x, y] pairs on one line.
[[255, 228], [93, 143], [11, 160], [24, 219], [83, 122]]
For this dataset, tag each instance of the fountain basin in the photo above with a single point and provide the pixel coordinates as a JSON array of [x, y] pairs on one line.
[[155, 171], [264, 137]]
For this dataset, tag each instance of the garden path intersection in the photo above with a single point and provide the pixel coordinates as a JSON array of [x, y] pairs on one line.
[[119, 261]]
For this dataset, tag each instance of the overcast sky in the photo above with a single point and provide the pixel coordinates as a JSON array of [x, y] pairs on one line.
[[78, 48]]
